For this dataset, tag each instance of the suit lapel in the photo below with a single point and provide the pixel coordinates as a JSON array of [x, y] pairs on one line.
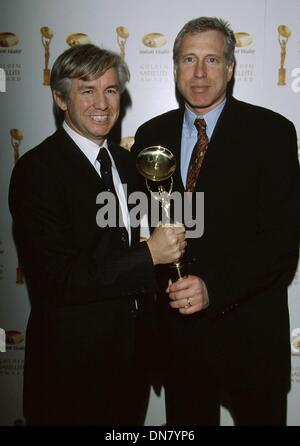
[[222, 143], [78, 162], [174, 131]]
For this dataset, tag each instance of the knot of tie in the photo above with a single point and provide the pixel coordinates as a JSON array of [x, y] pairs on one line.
[[200, 125], [104, 159]]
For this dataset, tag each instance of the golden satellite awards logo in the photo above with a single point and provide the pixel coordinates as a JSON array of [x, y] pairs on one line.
[[122, 36], [154, 40], [46, 35], [243, 39], [8, 39], [77, 39], [283, 36], [14, 337], [127, 142], [295, 342], [16, 138]]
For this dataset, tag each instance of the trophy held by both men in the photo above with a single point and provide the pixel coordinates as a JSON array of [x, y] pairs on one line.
[[157, 164]]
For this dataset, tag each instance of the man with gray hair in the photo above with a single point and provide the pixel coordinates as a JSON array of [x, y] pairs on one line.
[[91, 285], [226, 324]]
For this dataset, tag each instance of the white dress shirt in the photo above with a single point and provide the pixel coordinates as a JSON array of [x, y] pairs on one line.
[[91, 150]]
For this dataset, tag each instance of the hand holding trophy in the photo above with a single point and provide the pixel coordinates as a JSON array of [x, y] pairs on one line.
[[157, 163]]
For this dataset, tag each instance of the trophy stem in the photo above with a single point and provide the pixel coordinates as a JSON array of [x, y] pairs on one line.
[[281, 76], [46, 76], [177, 271]]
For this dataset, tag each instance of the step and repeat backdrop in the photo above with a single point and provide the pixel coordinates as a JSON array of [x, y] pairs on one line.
[[34, 32]]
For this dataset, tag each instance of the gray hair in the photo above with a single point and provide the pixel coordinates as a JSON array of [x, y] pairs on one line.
[[202, 24], [86, 62]]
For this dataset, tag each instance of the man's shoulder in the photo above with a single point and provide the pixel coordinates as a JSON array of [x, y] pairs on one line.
[[164, 119], [40, 156], [259, 113]]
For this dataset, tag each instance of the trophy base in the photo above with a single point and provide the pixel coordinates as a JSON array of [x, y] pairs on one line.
[[19, 276], [281, 76], [47, 73], [177, 271]]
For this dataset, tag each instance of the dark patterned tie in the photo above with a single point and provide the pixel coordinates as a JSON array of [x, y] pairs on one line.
[[197, 155], [105, 170], [106, 173]]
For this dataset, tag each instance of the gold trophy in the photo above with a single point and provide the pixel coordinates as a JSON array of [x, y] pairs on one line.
[[156, 163], [122, 36], [47, 35], [16, 138], [283, 36]]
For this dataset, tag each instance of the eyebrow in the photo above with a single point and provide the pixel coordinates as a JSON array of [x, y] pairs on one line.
[[86, 86], [206, 55], [91, 87]]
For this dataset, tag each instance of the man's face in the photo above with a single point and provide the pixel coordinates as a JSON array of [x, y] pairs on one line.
[[92, 107], [201, 73]]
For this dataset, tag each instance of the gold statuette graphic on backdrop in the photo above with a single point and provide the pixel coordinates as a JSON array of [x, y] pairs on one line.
[[77, 39], [283, 36], [157, 164], [154, 40], [16, 137], [122, 36], [8, 39], [46, 35]]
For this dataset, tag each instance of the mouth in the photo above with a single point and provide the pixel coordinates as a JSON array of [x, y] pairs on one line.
[[99, 118], [199, 88]]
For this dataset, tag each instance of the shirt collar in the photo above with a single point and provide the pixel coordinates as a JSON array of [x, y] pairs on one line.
[[210, 118], [88, 147]]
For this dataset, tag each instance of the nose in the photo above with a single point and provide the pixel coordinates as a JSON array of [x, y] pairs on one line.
[[100, 100], [200, 69]]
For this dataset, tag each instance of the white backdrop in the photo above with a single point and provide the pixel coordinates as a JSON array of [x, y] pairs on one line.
[[146, 39]]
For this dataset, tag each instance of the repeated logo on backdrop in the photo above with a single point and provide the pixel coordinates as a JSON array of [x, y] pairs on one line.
[[283, 36], [47, 35], [8, 39], [154, 40], [77, 39], [295, 342], [127, 142], [10, 71], [122, 36], [16, 137], [245, 69]]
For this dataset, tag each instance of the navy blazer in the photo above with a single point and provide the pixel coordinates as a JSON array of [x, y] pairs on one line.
[[83, 281], [248, 253]]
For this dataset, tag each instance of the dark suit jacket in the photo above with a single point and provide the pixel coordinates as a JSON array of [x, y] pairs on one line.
[[82, 280], [248, 253]]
